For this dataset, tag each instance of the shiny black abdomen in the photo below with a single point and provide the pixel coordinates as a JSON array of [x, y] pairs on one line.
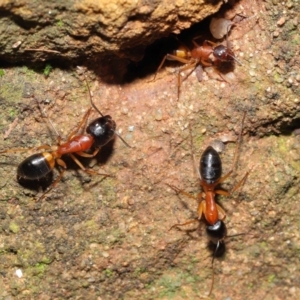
[[102, 130], [210, 165], [34, 167]]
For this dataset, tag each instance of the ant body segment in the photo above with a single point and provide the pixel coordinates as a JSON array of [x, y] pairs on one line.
[[208, 54], [99, 132]]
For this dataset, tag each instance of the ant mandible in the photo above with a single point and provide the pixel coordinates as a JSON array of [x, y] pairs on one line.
[[98, 133], [209, 54]]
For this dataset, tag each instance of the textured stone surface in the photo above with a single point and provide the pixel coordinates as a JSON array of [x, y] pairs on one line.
[[39, 30], [95, 238]]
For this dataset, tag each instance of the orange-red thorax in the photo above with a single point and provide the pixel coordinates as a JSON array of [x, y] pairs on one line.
[[201, 52], [211, 213], [76, 144]]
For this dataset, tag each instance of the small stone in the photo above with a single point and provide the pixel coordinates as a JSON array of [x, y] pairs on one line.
[[281, 21], [19, 273], [158, 115], [131, 128], [105, 254]]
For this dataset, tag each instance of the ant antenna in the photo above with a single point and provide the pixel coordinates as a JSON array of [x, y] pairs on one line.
[[96, 108], [239, 140], [228, 46], [44, 115], [212, 266], [196, 169], [91, 98]]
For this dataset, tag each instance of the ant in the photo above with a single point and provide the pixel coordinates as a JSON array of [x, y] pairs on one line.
[[99, 132], [210, 172], [209, 54]]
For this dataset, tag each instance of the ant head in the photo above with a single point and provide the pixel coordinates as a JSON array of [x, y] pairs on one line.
[[102, 129], [223, 53], [217, 232]]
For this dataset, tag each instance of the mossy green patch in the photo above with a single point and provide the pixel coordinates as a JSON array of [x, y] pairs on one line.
[[60, 23], [271, 278], [47, 70], [39, 269], [14, 227]]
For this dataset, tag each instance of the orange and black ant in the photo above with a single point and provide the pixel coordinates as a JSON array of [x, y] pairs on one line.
[[99, 132], [210, 171], [209, 54]]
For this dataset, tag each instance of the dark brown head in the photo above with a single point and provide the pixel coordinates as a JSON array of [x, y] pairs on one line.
[[102, 130]]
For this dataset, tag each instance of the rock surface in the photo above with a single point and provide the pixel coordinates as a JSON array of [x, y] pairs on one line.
[[68, 30], [109, 238]]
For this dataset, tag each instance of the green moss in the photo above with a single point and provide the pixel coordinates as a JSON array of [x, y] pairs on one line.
[[271, 278], [11, 92], [263, 245], [12, 112], [60, 23], [39, 269], [108, 273], [170, 286], [138, 271], [47, 70], [14, 227], [2, 73], [27, 71]]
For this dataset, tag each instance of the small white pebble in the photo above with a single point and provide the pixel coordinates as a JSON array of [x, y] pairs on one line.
[[131, 128], [105, 254], [19, 273], [252, 73]]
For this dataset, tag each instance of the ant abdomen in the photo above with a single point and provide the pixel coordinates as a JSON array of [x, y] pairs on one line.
[[102, 130], [210, 165], [36, 166]]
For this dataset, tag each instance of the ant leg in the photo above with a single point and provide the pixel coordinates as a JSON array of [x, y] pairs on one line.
[[80, 125], [170, 57], [223, 178], [61, 163], [92, 172], [159, 67], [240, 183], [221, 212], [89, 155], [207, 43], [186, 223], [201, 207], [45, 147], [178, 191], [190, 65]]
